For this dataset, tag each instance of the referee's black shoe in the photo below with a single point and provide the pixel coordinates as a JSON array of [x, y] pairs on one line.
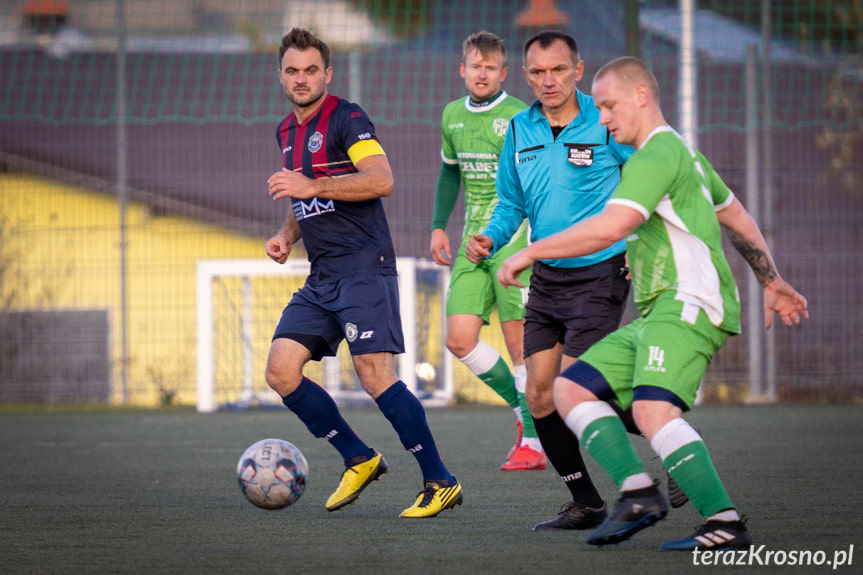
[[636, 510], [574, 516]]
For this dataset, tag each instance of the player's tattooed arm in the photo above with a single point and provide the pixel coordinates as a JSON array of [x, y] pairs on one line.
[[760, 262], [779, 296], [746, 238]]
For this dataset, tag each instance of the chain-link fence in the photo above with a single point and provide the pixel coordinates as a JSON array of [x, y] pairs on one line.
[[136, 137]]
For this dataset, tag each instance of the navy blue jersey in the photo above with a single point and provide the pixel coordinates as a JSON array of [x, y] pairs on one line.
[[342, 238]]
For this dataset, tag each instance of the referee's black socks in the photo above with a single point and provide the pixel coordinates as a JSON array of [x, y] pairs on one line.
[[564, 452]]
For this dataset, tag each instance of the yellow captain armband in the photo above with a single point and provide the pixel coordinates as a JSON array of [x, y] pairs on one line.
[[364, 149]]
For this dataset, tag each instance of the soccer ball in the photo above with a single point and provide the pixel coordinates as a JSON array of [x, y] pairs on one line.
[[272, 474]]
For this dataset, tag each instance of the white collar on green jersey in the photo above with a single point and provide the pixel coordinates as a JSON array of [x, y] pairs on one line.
[[484, 106], [657, 130]]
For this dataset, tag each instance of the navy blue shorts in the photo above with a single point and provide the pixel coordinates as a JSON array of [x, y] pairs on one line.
[[576, 307], [363, 309]]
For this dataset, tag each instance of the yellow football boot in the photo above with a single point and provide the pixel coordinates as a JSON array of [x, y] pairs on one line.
[[434, 499], [355, 479]]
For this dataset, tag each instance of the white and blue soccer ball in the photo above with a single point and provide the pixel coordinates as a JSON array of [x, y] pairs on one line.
[[272, 474]]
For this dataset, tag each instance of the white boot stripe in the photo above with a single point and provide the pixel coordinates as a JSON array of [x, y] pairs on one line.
[[712, 538]]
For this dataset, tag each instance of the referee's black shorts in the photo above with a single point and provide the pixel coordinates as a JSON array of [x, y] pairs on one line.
[[574, 306]]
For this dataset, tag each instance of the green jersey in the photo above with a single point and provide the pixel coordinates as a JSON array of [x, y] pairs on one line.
[[472, 138], [678, 248]]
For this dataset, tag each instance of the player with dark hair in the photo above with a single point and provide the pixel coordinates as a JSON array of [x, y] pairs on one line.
[[669, 207], [472, 133], [335, 174], [558, 166]]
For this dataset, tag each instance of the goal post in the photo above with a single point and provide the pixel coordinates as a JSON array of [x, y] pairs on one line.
[[238, 305]]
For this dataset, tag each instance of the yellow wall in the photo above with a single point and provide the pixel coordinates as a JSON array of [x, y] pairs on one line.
[[63, 245], [64, 242]]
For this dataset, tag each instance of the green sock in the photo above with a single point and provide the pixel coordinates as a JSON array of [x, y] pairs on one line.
[[528, 429], [692, 469], [500, 379], [607, 442], [519, 372]]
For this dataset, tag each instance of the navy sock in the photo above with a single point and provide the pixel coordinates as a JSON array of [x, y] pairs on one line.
[[407, 416], [319, 412]]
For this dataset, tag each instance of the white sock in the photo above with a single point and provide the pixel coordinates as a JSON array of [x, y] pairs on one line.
[[672, 436], [532, 442], [519, 372], [586, 413], [481, 358], [637, 481], [727, 515]]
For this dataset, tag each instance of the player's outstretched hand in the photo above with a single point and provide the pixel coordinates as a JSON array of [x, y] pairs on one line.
[[278, 248], [440, 243], [294, 184], [512, 267], [478, 248], [781, 297]]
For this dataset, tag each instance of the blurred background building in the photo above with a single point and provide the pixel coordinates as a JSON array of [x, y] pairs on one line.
[[136, 137]]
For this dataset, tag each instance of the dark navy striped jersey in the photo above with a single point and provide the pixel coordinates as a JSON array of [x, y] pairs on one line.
[[342, 238]]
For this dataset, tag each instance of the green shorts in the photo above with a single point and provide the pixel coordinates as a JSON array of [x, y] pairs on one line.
[[474, 289], [661, 350]]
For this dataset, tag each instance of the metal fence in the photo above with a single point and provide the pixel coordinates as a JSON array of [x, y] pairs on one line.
[[136, 137]]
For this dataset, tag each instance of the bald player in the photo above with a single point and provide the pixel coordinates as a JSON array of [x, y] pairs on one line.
[[669, 207]]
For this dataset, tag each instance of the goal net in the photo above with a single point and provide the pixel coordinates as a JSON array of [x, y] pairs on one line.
[[239, 305]]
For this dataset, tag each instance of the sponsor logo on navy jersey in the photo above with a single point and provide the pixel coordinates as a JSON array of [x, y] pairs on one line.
[[315, 142], [314, 207]]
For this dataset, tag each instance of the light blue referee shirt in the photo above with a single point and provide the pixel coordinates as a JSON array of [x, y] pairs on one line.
[[556, 182]]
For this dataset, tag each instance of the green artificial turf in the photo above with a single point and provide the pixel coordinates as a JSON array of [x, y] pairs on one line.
[[101, 491]]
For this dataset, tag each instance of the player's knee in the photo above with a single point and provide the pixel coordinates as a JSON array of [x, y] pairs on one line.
[[281, 379], [287, 357], [540, 399], [652, 414], [568, 393], [275, 381], [376, 372], [460, 344]]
